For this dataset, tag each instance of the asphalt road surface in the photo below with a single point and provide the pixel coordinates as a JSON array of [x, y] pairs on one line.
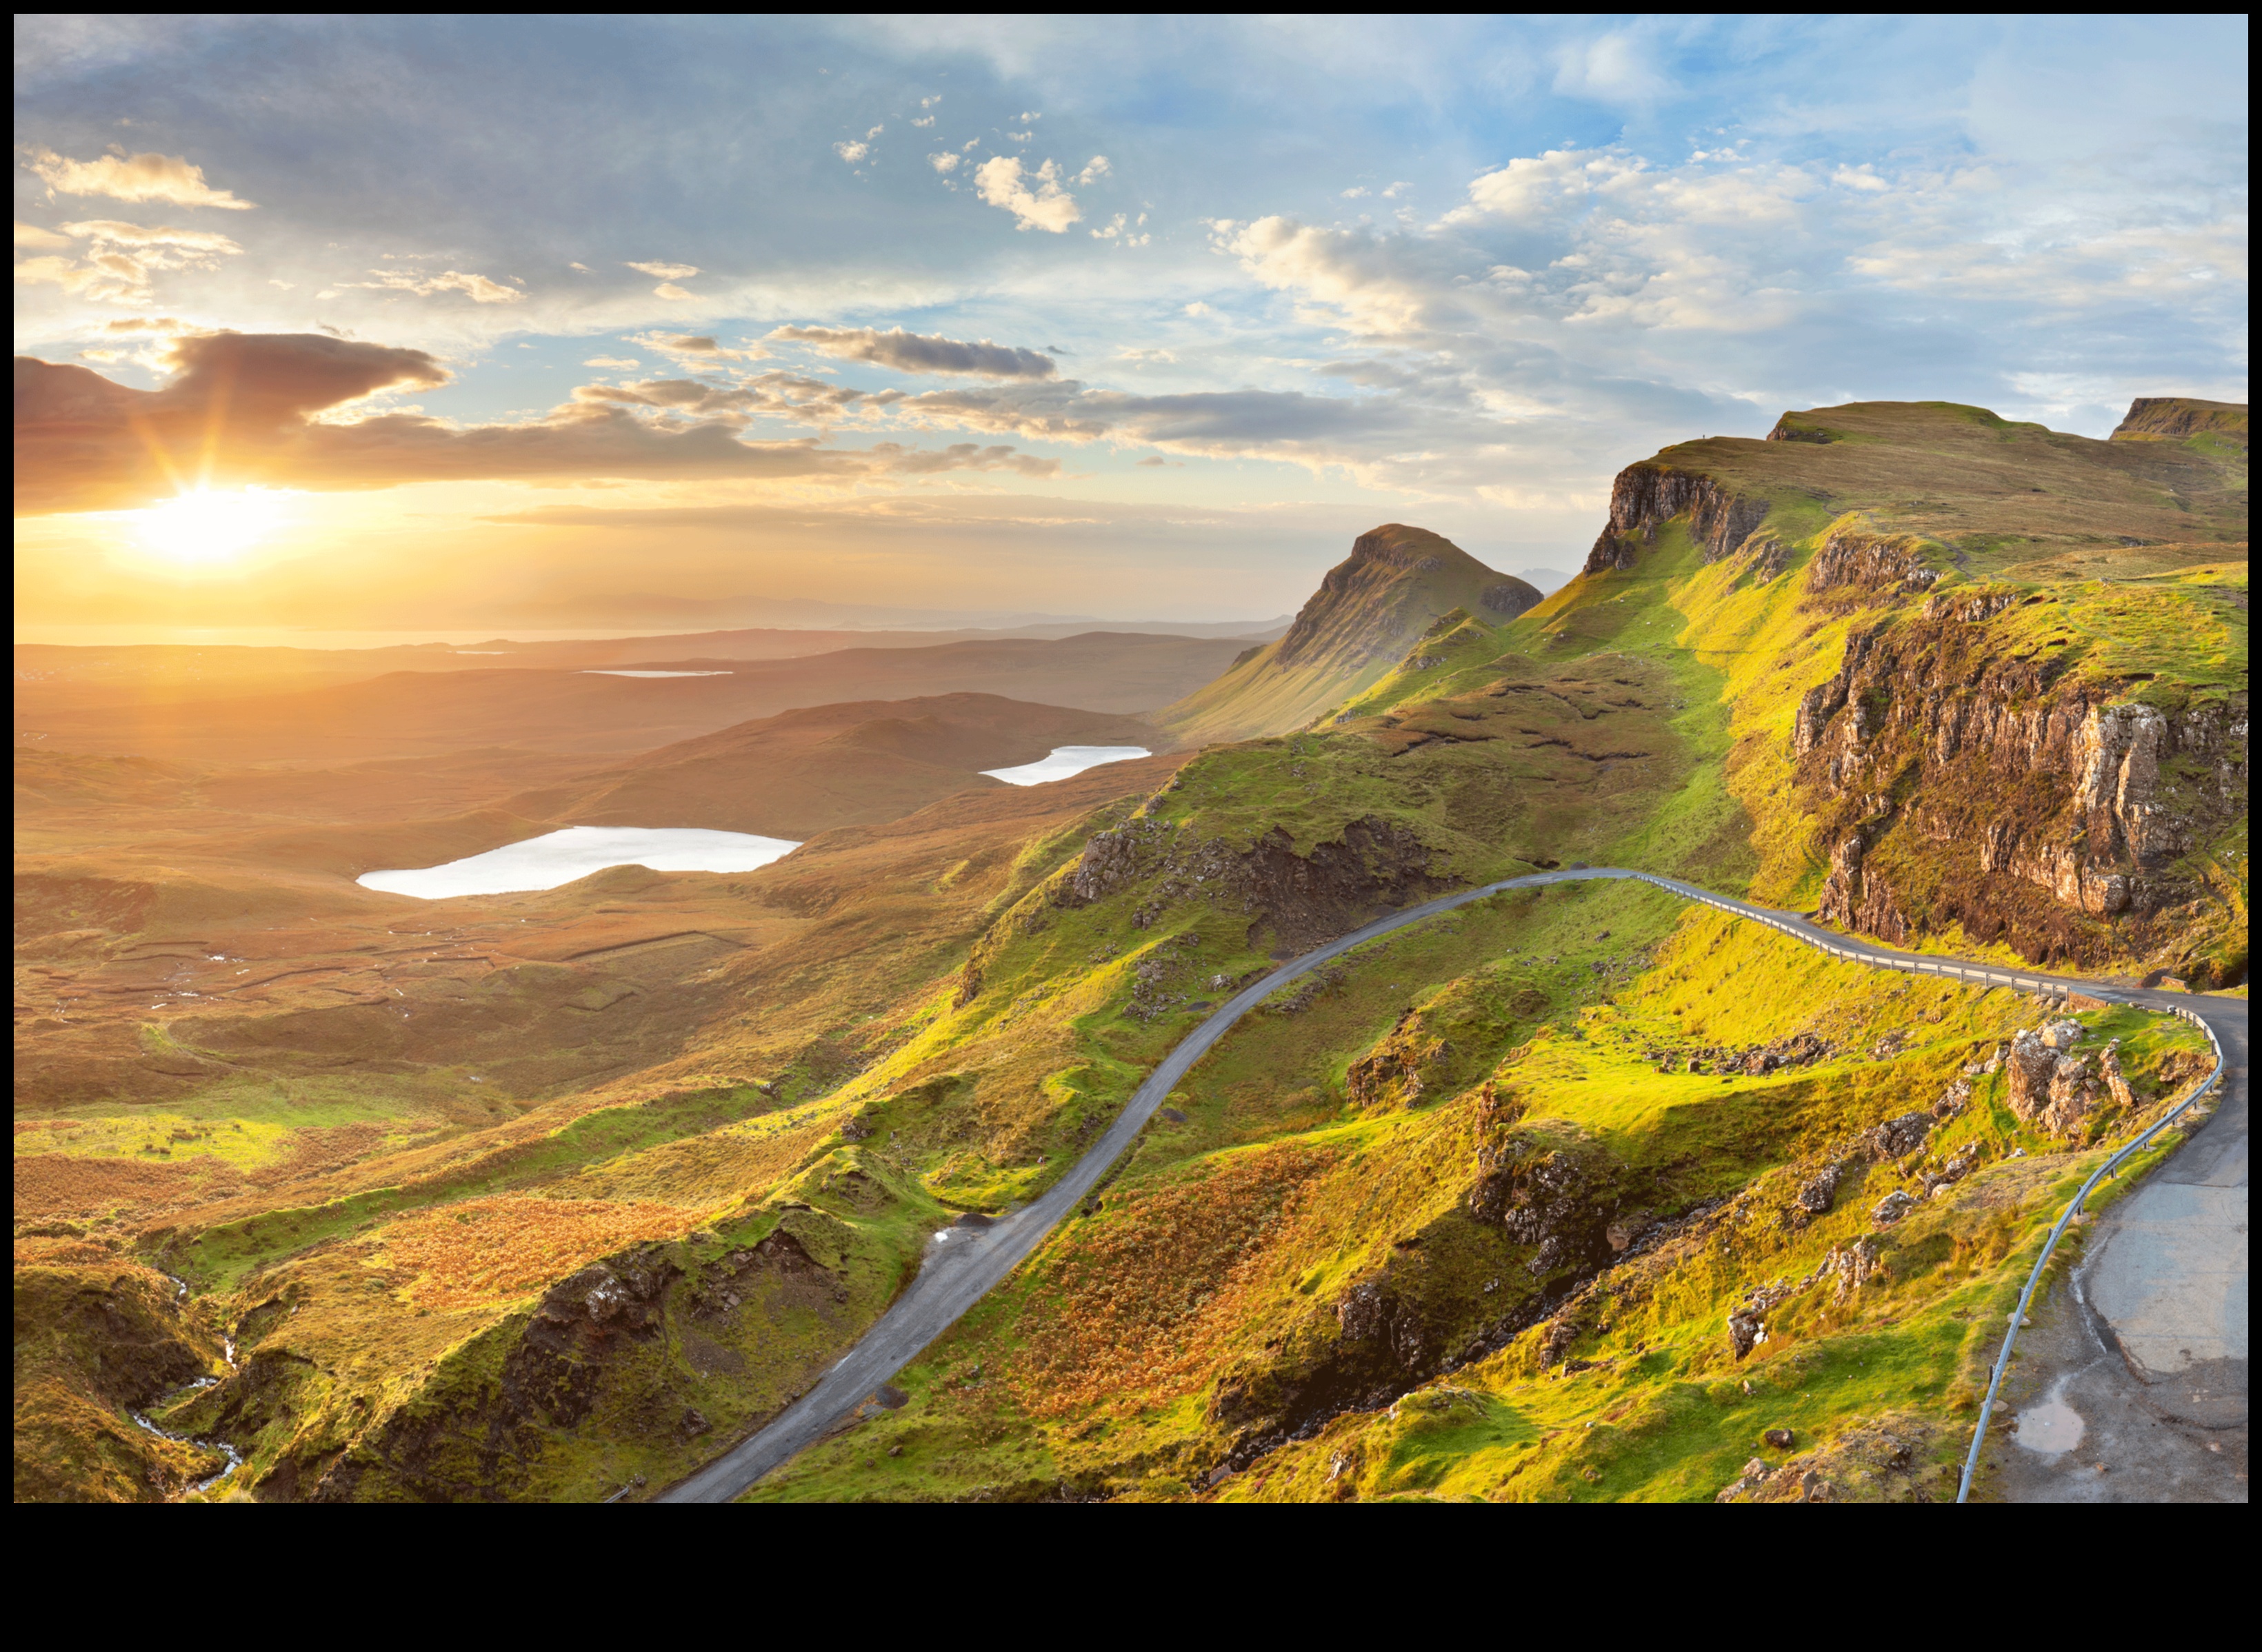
[[967, 1259]]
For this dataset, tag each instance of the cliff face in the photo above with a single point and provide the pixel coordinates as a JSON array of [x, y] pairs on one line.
[[2036, 730], [1647, 496], [2179, 418], [2009, 801]]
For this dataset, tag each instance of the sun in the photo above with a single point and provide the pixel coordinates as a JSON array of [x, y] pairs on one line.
[[204, 527]]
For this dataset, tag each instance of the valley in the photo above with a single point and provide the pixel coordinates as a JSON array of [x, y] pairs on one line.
[[1530, 1184]]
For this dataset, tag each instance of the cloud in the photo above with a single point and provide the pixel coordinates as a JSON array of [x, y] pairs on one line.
[[923, 120], [702, 349], [669, 289], [666, 271], [276, 409], [1117, 228], [33, 235], [132, 178], [620, 363], [1611, 68], [946, 161], [122, 258], [921, 353], [1004, 184], [852, 152], [478, 288], [1095, 168]]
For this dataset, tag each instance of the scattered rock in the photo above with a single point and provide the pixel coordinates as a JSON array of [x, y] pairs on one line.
[[1892, 1207], [1781, 1439], [1816, 1196]]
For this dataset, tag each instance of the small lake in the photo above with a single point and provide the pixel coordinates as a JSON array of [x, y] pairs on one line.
[[557, 857], [1065, 761], [596, 672]]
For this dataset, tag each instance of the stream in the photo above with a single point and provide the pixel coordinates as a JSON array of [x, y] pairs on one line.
[[234, 1457]]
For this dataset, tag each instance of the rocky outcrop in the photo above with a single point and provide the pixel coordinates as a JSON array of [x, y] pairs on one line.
[[1390, 1074], [1647, 496], [1303, 900], [1852, 559], [2049, 1088], [1952, 771]]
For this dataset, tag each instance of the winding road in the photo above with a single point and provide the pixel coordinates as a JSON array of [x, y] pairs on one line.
[[969, 1259]]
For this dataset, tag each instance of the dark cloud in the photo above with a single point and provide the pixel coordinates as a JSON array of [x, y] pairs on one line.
[[246, 408], [922, 353]]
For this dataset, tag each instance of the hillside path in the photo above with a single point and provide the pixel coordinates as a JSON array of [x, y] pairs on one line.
[[967, 1261]]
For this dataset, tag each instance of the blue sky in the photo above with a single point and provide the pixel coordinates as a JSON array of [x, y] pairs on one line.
[[1258, 283]]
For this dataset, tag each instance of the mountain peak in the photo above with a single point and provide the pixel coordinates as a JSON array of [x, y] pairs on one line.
[[1369, 610]]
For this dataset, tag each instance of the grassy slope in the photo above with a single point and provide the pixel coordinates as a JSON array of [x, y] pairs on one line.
[[1637, 718]]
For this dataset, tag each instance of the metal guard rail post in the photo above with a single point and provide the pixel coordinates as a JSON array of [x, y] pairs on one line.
[[2019, 1313]]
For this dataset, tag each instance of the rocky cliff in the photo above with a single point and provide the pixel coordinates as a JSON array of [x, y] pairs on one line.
[[2036, 727]]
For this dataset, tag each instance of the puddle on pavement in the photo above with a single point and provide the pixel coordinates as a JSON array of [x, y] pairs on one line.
[[2051, 1428]]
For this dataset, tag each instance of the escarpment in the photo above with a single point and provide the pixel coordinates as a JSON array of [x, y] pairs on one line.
[[1648, 495], [1959, 778]]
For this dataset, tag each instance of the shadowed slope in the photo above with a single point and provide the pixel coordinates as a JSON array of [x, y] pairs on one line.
[[810, 771], [1367, 612]]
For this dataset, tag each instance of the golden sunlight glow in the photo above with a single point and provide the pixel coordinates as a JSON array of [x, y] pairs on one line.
[[206, 527]]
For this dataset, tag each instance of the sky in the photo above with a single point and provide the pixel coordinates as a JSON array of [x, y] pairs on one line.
[[372, 322]]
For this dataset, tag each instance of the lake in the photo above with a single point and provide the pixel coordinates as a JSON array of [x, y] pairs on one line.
[[1065, 761], [560, 857]]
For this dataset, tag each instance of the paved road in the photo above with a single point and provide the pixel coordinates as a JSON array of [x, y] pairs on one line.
[[2132, 1386], [969, 1261]]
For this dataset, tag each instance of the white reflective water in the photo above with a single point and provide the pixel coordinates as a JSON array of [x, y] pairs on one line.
[[545, 862], [594, 672], [1065, 761]]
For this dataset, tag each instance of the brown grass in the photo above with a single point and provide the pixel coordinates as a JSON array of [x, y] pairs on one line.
[[511, 1245], [1142, 1307]]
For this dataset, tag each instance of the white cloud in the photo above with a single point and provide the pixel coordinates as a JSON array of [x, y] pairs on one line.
[[121, 259], [666, 271], [1396, 190], [923, 120], [1354, 192], [669, 291], [583, 268], [1197, 310], [852, 152], [1117, 228], [478, 288], [1006, 185], [1860, 177], [132, 178], [33, 235], [875, 130], [621, 363], [1095, 168], [944, 162]]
